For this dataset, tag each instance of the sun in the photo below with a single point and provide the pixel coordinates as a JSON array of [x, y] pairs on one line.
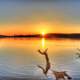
[[43, 34]]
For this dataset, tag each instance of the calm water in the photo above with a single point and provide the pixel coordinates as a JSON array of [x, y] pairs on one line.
[[20, 56]]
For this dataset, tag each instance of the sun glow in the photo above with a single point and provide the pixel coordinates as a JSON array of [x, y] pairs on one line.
[[43, 33]]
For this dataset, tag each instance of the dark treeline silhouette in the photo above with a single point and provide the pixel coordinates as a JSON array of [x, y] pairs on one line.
[[49, 35], [3, 36], [63, 35], [21, 36]]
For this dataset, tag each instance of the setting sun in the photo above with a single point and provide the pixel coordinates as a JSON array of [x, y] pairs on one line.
[[43, 33]]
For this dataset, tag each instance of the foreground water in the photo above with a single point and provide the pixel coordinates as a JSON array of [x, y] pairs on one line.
[[19, 57]]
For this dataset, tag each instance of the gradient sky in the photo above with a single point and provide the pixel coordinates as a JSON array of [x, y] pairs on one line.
[[26, 16]]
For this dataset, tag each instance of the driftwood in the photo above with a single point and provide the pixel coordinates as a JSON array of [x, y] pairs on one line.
[[48, 66], [58, 75], [61, 75]]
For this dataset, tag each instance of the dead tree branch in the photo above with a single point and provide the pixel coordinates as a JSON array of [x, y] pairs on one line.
[[48, 66]]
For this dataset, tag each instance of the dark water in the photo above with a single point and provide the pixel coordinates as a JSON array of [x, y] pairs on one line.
[[19, 57]]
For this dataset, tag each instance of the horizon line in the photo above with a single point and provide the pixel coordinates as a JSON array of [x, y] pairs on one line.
[[48, 35]]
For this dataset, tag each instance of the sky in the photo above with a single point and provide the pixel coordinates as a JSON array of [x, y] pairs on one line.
[[32, 16]]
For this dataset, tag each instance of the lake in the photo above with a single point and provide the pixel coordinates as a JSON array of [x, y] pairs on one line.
[[19, 57]]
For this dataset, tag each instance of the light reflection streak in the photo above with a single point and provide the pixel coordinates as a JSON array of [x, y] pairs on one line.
[[43, 43]]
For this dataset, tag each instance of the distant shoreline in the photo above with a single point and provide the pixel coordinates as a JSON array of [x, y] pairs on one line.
[[49, 36]]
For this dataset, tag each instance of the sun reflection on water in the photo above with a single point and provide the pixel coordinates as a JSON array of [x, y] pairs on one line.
[[43, 43]]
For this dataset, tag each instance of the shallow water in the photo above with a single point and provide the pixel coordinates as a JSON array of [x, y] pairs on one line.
[[20, 57]]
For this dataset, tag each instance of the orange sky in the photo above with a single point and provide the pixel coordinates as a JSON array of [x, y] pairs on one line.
[[32, 17], [37, 28]]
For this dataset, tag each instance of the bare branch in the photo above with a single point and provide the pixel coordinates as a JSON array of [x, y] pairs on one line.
[[48, 66], [41, 68], [40, 52]]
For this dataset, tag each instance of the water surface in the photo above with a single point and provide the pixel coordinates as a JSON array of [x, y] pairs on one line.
[[20, 56]]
